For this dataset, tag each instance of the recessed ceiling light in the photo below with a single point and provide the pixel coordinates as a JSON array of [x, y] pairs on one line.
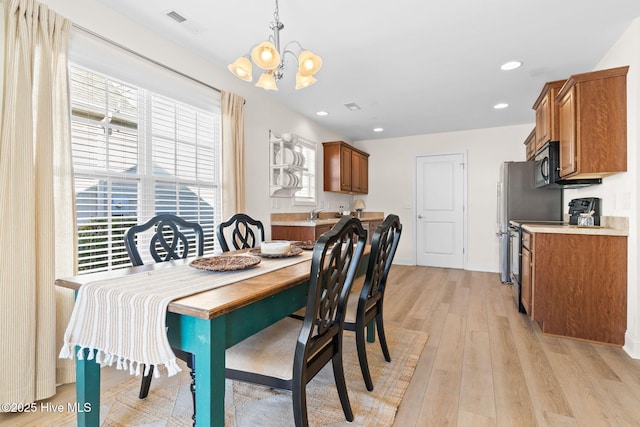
[[378, 129], [501, 105], [322, 113], [511, 65], [352, 106]]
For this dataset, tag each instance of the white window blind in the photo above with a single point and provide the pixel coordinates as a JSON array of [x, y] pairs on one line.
[[137, 154]]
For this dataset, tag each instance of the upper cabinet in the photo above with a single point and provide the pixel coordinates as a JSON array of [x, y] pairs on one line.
[[530, 145], [346, 169], [546, 114], [592, 112]]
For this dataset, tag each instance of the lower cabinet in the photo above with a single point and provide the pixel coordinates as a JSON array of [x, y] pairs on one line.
[[297, 233], [579, 285], [372, 229]]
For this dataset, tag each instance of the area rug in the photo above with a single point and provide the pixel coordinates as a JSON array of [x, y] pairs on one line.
[[169, 401]]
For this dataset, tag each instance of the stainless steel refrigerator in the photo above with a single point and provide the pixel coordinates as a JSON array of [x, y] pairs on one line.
[[519, 199]]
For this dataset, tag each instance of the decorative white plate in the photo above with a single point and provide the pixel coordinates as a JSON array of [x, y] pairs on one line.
[[225, 262], [293, 252]]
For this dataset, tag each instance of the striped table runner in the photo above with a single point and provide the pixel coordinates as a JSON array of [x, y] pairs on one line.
[[123, 320]]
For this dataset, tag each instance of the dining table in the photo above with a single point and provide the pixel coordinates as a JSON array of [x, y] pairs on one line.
[[205, 324]]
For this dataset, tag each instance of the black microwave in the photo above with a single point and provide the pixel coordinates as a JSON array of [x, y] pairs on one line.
[[547, 170]]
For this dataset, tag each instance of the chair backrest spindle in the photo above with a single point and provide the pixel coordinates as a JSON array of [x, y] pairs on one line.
[[168, 241], [246, 232]]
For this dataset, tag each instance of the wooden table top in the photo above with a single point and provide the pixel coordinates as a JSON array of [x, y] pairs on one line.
[[214, 302]]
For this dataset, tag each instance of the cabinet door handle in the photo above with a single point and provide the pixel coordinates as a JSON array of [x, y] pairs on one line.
[[420, 217]]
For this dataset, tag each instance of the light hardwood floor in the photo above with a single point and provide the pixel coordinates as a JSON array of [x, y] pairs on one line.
[[485, 364]]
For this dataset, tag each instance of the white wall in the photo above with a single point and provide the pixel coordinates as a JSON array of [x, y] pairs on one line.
[[262, 112], [392, 183], [619, 193]]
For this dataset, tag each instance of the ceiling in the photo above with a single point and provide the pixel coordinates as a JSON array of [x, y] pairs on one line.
[[413, 67]]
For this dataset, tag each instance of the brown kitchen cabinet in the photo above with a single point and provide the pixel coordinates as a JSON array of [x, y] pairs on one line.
[[579, 285], [299, 233], [373, 224], [592, 111], [346, 169], [311, 232], [530, 145], [546, 114]]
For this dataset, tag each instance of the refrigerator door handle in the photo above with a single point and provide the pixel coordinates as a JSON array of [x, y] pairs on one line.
[[499, 206]]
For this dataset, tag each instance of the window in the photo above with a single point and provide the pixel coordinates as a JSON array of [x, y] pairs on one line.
[[307, 195], [137, 154]]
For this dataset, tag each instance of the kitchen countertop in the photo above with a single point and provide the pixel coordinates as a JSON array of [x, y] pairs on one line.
[[610, 226], [301, 219]]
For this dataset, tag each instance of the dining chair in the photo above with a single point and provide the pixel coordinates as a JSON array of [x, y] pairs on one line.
[[241, 230], [289, 353], [172, 238], [368, 306]]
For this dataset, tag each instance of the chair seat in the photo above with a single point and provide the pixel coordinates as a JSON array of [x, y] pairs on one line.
[[268, 352]]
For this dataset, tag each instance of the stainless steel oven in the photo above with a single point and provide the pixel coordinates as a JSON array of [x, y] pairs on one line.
[[515, 250], [514, 253]]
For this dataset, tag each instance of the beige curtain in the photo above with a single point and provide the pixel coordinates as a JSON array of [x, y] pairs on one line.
[[233, 185], [37, 231]]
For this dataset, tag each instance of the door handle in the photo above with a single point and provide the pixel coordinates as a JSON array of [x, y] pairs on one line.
[[420, 217]]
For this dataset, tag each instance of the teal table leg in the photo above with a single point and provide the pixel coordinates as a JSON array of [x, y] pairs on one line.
[[371, 331], [88, 392], [206, 340], [210, 371]]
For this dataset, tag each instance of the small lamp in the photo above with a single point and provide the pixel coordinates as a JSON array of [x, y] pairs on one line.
[[358, 205]]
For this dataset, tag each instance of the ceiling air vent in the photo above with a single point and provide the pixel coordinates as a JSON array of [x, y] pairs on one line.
[[176, 17], [352, 106], [186, 23]]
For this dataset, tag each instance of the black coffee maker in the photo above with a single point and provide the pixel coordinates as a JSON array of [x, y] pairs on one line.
[[584, 205]]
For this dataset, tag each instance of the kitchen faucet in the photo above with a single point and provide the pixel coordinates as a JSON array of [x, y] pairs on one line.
[[314, 213]]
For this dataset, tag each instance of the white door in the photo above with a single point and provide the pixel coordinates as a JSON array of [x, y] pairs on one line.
[[440, 210]]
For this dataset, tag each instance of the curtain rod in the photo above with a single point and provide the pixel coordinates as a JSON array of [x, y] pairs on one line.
[[146, 58]]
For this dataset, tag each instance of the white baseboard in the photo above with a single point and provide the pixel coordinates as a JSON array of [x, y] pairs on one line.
[[485, 268], [631, 345], [404, 261]]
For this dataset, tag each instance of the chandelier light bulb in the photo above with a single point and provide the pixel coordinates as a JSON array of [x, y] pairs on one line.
[[309, 62], [266, 56], [241, 68]]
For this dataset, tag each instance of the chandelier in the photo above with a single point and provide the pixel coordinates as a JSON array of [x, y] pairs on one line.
[[268, 56]]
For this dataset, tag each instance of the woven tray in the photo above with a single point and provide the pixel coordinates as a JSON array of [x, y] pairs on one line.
[[293, 252], [225, 263], [306, 244]]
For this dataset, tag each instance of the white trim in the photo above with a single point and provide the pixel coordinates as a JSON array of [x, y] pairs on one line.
[[310, 145]]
